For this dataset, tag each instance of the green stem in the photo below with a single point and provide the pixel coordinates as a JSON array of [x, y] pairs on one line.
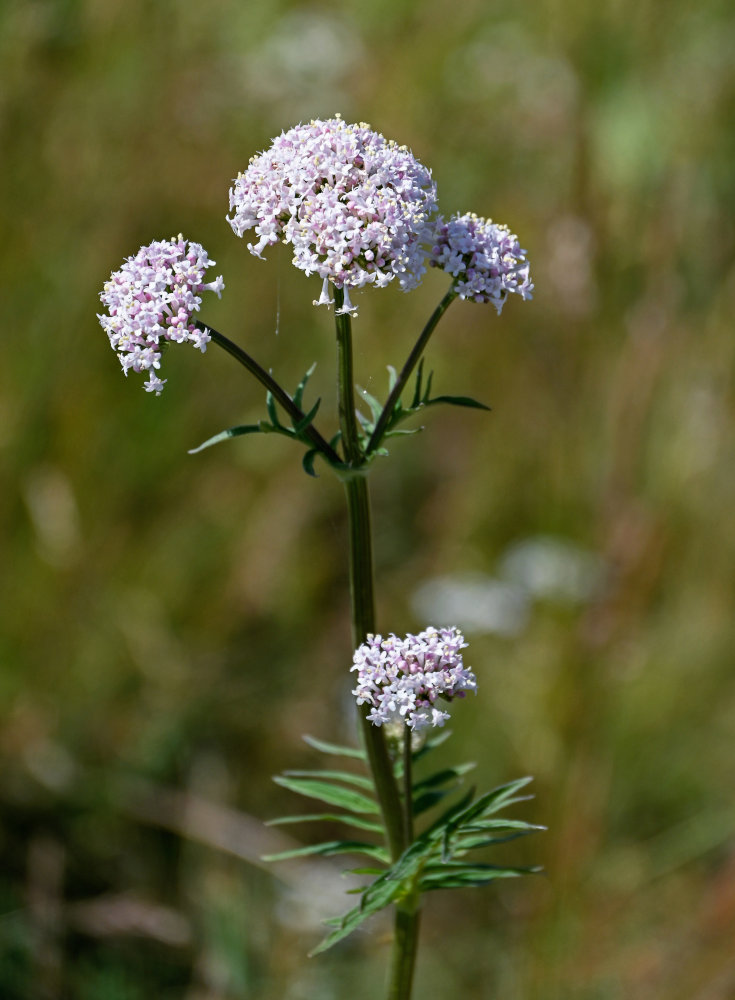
[[413, 359], [407, 785], [362, 598], [346, 384], [266, 379], [407, 921], [363, 624], [396, 819], [405, 946]]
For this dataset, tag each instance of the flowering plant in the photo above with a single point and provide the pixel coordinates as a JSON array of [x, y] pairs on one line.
[[357, 210]]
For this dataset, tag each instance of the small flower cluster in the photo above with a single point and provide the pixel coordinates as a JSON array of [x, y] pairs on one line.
[[356, 208], [151, 300], [401, 679], [485, 259]]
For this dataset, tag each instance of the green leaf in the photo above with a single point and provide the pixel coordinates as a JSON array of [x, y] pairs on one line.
[[348, 818], [448, 816], [416, 401], [307, 462], [392, 378], [300, 426], [271, 407], [459, 877], [375, 408], [391, 885], [428, 792], [402, 433], [443, 776], [351, 779], [329, 848], [471, 842], [333, 795], [457, 401], [492, 802], [299, 394], [231, 432], [334, 748], [428, 800], [432, 743], [500, 825]]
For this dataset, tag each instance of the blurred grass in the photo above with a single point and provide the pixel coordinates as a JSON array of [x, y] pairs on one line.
[[183, 620]]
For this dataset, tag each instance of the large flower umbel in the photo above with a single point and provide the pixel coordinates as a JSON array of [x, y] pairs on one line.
[[356, 207], [402, 679], [152, 299], [484, 258]]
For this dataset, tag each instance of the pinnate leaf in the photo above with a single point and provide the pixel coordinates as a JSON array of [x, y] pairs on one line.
[[333, 795]]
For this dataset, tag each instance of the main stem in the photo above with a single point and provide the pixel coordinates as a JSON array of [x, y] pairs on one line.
[[362, 604], [407, 922]]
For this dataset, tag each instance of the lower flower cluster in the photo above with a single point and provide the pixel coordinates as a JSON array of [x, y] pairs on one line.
[[402, 679]]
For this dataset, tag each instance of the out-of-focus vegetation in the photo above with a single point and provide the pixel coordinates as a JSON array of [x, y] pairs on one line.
[[171, 624]]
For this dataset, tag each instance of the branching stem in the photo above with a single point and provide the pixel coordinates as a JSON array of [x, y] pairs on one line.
[[278, 393], [413, 359]]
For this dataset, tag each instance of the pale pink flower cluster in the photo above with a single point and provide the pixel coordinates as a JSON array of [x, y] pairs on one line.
[[357, 208], [484, 258], [152, 299], [402, 679]]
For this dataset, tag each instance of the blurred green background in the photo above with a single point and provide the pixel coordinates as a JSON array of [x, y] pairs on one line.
[[171, 625]]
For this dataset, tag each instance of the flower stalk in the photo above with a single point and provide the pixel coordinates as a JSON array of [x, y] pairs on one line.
[[277, 391], [397, 819], [413, 359]]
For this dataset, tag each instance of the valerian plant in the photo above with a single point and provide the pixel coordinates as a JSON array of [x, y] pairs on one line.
[[357, 210]]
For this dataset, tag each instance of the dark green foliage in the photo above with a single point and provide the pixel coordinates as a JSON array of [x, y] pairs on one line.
[[274, 426], [435, 860], [421, 399]]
